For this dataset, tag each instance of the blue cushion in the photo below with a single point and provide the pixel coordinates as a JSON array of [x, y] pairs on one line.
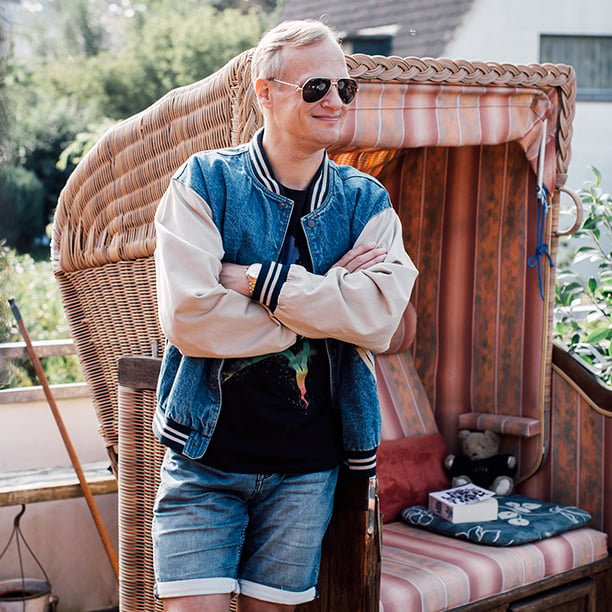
[[519, 520]]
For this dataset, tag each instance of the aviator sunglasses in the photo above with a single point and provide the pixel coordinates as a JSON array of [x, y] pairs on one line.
[[316, 89]]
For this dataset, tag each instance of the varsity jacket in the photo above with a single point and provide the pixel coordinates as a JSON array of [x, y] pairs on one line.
[[227, 206]]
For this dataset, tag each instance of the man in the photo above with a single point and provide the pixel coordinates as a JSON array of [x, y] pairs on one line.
[[278, 273]]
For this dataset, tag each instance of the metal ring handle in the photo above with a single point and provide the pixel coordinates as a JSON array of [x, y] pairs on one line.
[[579, 211]]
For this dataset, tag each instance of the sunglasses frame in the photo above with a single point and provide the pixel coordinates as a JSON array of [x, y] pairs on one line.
[[331, 82]]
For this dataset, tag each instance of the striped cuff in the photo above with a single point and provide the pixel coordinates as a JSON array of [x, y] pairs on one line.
[[269, 283], [361, 464], [169, 432]]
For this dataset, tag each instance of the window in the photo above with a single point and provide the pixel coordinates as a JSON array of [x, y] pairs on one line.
[[591, 57], [371, 45], [377, 40]]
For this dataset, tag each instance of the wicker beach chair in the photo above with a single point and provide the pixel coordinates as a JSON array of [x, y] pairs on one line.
[[474, 155]]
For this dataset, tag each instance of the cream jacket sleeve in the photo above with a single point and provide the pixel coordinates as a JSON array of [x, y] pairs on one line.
[[197, 314]]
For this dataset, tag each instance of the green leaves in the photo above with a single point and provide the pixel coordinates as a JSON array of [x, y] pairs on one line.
[[82, 63], [599, 334], [583, 292]]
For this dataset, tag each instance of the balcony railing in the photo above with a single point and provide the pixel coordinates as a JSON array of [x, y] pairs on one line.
[[19, 484]]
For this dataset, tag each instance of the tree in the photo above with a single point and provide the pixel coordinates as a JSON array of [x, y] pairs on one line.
[[37, 124], [42, 126], [163, 46], [71, 29], [21, 206], [4, 120], [96, 60], [171, 46]]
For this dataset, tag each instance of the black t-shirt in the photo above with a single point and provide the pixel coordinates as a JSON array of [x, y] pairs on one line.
[[277, 414]]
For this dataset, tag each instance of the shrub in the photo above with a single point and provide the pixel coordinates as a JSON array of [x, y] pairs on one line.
[[36, 293], [583, 295]]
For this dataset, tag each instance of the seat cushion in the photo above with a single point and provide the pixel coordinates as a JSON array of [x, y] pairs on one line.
[[427, 572], [519, 520]]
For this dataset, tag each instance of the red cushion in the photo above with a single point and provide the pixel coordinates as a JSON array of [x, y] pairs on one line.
[[408, 469]]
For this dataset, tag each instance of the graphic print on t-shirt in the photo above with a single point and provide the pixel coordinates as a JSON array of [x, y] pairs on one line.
[[293, 360]]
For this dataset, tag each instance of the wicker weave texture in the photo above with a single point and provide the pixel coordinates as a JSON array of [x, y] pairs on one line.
[[106, 210], [103, 234], [140, 457], [112, 312]]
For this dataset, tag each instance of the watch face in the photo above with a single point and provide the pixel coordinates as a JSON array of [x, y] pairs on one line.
[[253, 271]]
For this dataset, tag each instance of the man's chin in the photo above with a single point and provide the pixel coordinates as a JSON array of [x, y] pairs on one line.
[[330, 136]]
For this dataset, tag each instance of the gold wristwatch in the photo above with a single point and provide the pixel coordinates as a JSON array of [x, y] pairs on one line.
[[252, 272]]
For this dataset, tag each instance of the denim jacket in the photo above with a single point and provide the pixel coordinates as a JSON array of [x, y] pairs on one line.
[[227, 206]]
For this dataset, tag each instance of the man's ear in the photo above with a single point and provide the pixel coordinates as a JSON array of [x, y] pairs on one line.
[[262, 91]]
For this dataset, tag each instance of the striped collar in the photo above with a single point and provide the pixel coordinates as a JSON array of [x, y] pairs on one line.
[[318, 188]]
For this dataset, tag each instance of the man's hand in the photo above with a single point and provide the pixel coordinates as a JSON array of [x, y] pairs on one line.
[[233, 276], [362, 257]]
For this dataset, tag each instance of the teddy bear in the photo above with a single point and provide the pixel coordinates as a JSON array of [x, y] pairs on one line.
[[481, 463]]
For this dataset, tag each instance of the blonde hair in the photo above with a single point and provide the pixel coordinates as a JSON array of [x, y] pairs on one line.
[[267, 62]]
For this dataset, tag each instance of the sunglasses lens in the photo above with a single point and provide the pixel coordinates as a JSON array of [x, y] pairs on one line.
[[314, 90], [347, 88]]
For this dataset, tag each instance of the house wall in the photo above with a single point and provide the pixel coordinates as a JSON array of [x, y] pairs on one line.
[[62, 533], [503, 31]]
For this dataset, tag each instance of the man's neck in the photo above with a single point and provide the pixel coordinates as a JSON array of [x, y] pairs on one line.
[[293, 168]]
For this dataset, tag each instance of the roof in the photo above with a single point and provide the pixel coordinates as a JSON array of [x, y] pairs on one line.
[[423, 27]]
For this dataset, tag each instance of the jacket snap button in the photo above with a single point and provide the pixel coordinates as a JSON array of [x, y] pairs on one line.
[[311, 223]]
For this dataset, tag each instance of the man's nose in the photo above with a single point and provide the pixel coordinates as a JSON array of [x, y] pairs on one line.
[[332, 98]]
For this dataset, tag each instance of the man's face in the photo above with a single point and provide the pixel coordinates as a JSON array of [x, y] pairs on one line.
[[307, 127]]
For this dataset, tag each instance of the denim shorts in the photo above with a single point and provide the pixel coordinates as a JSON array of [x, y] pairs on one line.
[[255, 534]]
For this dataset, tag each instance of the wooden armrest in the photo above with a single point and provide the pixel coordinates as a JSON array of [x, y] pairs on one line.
[[500, 423], [350, 565], [139, 372]]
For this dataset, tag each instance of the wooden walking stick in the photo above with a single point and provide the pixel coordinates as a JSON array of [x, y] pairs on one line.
[[76, 464]]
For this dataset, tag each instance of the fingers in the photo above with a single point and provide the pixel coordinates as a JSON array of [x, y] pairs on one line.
[[361, 257]]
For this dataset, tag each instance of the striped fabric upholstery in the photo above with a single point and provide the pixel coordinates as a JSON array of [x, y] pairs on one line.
[[426, 572], [405, 407], [399, 115]]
